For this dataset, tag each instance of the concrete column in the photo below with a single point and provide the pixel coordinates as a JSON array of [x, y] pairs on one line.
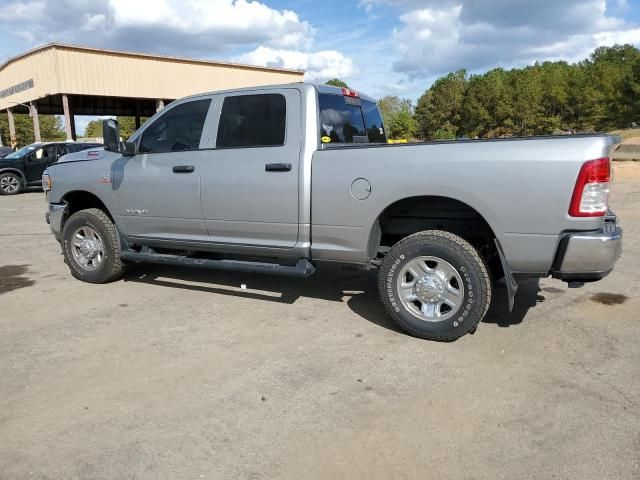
[[69, 121], [36, 122], [12, 129], [159, 105]]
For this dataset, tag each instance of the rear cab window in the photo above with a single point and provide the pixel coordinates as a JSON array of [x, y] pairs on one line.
[[346, 119]]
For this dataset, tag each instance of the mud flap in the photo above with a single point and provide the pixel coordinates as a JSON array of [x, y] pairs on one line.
[[512, 285]]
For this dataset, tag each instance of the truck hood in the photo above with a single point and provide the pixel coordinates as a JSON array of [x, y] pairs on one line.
[[97, 153]]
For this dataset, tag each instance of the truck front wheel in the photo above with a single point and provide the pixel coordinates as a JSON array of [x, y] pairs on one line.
[[91, 247], [435, 285]]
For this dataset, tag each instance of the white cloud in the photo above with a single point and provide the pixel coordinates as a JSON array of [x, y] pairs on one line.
[[196, 28], [193, 27], [438, 36], [320, 66]]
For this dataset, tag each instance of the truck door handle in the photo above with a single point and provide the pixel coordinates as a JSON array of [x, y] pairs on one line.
[[183, 169], [277, 167]]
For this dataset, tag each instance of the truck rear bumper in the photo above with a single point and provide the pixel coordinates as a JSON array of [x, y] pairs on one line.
[[589, 256]]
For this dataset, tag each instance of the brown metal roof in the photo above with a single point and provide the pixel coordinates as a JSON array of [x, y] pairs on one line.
[[144, 55]]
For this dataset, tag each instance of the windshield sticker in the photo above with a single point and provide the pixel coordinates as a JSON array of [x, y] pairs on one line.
[[325, 139]]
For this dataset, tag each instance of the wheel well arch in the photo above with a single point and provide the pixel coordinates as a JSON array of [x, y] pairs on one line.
[[81, 199], [410, 215], [13, 170]]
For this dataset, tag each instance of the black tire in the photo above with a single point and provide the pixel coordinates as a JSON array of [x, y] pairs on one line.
[[460, 255], [111, 267], [11, 183]]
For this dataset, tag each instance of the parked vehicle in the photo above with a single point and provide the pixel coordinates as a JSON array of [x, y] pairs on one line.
[[24, 167], [4, 151], [280, 179]]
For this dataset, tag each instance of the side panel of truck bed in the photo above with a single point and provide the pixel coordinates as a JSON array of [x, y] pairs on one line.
[[522, 188]]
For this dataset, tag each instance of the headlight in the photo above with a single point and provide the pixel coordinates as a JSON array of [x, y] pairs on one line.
[[46, 182]]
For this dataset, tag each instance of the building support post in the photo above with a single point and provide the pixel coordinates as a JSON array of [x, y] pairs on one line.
[[69, 120], [137, 114], [36, 121], [12, 129], [159, 105]]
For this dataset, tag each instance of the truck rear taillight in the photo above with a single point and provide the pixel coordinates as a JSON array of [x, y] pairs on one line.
[[350, 93], [591, 193]]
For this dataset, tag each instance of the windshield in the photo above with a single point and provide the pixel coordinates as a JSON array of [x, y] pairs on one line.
[[349, 120], [22, 152]]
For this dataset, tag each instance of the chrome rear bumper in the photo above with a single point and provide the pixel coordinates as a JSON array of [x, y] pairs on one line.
[[589, 256]]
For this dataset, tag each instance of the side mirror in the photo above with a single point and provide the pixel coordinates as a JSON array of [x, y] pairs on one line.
[[128, 149], [111, 135]]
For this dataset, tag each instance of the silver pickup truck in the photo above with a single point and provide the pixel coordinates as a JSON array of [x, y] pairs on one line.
[[280, 179]]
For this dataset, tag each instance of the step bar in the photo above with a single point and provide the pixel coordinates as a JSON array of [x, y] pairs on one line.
[[302, 269]]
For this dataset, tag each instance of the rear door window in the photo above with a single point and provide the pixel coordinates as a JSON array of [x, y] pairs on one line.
[[252, 121], [177, 130]]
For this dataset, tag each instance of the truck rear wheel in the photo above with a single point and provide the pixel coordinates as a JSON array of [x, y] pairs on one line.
[[435, 285], [91, 247]]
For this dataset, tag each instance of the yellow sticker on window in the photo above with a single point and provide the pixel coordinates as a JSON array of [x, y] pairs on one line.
[[325, 139]]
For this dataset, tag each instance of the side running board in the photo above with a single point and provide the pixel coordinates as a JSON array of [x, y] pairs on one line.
[[303, 268]]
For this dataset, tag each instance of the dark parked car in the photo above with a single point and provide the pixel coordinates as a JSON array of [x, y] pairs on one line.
[[24, 167], [4, 151]]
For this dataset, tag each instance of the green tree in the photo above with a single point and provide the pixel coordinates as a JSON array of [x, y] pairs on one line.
[[598, 94], [128, 125], [440, 113], [631, 92], [397, 116], [336, 82], [94, 129], [403, 125], [527, 101]]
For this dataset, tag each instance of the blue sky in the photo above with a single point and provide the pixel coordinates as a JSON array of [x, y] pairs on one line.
[[381, 47]]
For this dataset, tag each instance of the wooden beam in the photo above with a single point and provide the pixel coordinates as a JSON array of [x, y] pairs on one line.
[[36, 122], [68, 128], [137, 113], [12, 129]]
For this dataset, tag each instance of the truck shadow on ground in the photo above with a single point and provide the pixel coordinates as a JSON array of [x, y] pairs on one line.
[[358, 289]]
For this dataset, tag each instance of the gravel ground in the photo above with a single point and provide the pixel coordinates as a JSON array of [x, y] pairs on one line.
[[180, 374]]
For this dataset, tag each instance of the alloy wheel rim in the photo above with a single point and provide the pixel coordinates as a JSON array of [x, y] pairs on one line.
[[9, 184], [87, 248], [430, 288]]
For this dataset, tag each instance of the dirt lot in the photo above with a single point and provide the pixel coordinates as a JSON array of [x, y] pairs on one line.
[[175, 374]]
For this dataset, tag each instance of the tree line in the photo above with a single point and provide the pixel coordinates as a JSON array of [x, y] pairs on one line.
[[51, 128], [127, 127], [600, 93]]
